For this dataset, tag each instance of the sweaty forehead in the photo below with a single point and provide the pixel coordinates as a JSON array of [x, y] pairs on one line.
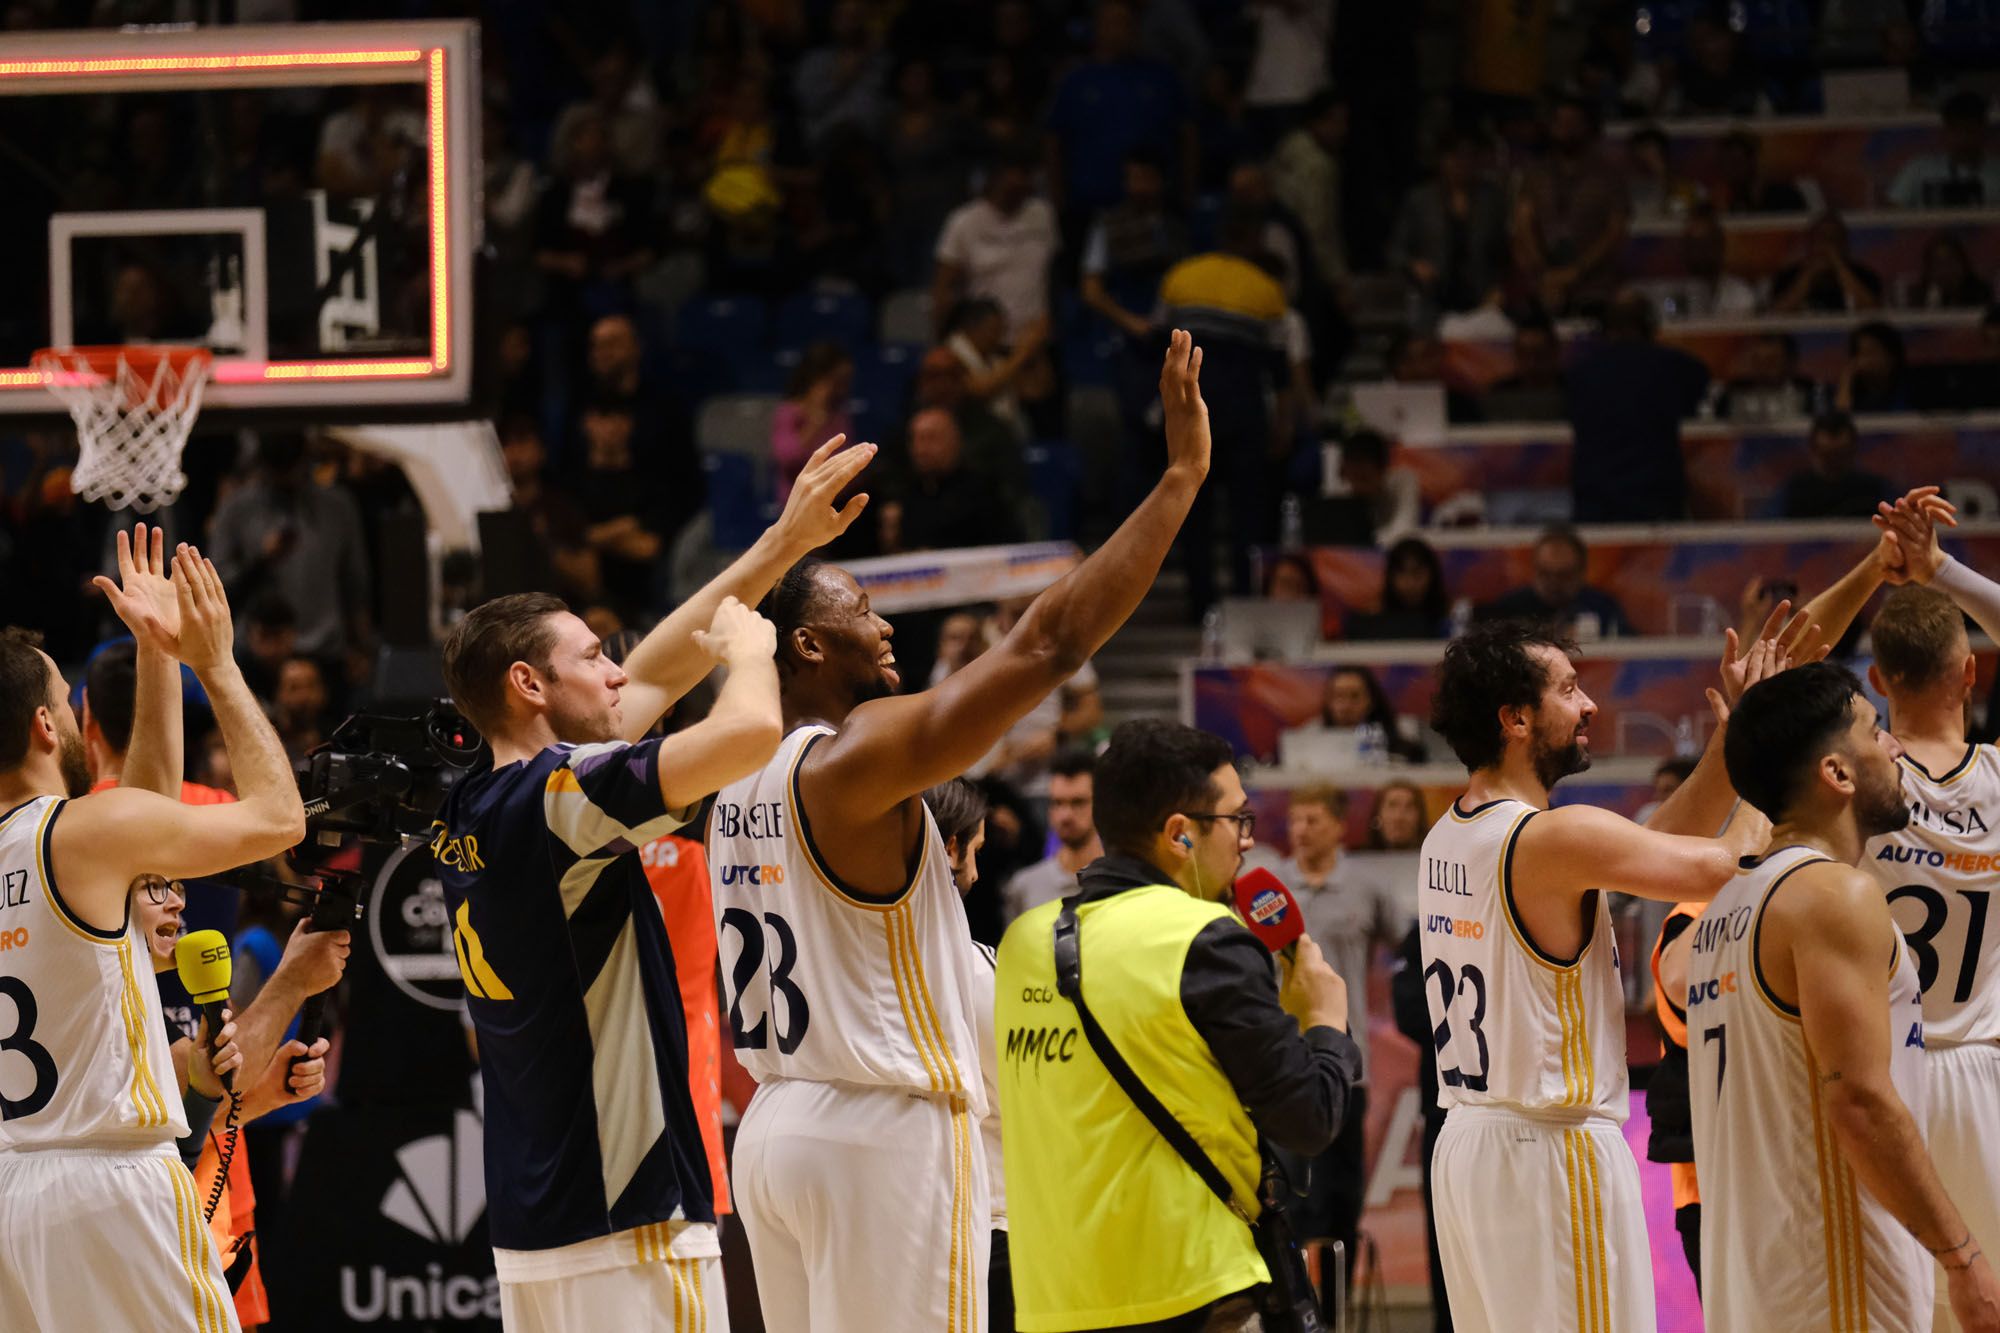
[[836, 592]]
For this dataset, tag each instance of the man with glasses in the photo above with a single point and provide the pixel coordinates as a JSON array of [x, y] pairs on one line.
[[1188, 997]]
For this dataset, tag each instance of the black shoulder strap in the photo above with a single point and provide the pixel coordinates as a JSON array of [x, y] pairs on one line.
[[1069, 984]]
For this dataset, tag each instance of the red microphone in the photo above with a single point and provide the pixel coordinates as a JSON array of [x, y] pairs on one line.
[[1270, 911]]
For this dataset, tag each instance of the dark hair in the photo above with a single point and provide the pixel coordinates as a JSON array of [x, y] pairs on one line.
[[1240, 230], [1380, 711], [1436, 605], [1833, 422], [1630, 315], [24, 687], [1073, 761], [958, 806], [1375, 841], [493, 636], [1151, 770], [790, 602], [1565, 533], [1913, 633], [1296, 561], [1365, 446], [1782, 727], [111, 689], [815, 364], [1578, 102], [1145, 156], [1486, 669]]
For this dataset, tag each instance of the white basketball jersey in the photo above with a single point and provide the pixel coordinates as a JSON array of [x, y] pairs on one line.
[[826, 985], [1940, 873], [985, 967], [1789, 1239], [84, 1061], [1512, 1026]]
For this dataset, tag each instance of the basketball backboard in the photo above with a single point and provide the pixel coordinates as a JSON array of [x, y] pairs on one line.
[[303, 200]]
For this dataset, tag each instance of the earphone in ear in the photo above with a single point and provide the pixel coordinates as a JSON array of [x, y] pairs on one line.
[[1187, 842]]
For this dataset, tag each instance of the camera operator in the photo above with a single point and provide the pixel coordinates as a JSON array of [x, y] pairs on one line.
[[598, 1191], [1187, 996]]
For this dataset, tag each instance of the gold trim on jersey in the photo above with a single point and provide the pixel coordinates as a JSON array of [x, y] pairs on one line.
[[899, 972], [145, 1089], [1777, 1006], [1476, 812], [193, 1234], [1957, 771], [962, 1283], [929, 1006], [1514, 926], [78, 928], [690, 1300], [1586, 1234], [1840, 1220], [1579, 1074]]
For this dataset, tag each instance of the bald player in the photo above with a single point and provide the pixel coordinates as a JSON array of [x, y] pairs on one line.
[[849, 980]]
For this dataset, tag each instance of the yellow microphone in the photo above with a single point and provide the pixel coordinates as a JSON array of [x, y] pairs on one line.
[[202, 959]]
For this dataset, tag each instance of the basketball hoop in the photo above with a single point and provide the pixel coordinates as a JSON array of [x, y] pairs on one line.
[[133, 407]]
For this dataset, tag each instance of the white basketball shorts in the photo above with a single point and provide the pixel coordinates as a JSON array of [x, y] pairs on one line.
[[1964, 1134]]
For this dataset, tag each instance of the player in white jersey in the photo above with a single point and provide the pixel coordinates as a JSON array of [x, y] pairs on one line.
[[1521, 973], [849, 983], [99, 1224], [1941, 869], [1805, 1046]]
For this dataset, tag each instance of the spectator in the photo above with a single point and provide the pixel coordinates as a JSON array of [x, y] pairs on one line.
[[1705, 291], [1962, 176], [1827, 278], [1559, 596], [270, 636], [1279, 235], [1656, 192], [1075, 836], [1831, 486], [1071, 715], [943, 504], [1392, 494], [1399, 820], [1714, 79], [1290, 578], [623, 500], [1415, 604], [1130, 248], [1770, 387], [1877, 374], [300, 714], [569, 562], [1236, 312], [1349, 918], [1627, 398], [844, 82], [280, 533], [622, 98], [1450, 239], [1354, 702], [1741, 186], [1170, 32], [367, 145], [998, 246], [1948, 282], [1114, 103], [1418, 358], [1290, 63], [1305, 177], [1000, 377], [925, 152], [593, 225], [1571, 218], [1535, 390], [958, 642], [1667, 779], [814, 410], [740, 146], [1223, 134]]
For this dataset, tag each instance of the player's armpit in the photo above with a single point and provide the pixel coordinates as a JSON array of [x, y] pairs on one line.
[[1575, 848]]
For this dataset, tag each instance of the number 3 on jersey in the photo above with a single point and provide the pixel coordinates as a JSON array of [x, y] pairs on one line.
[[20, 1042], [797, 1014], [1455, 1070]]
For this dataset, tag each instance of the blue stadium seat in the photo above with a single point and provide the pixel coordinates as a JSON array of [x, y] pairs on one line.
[[1090, 352], [883, 374], [809, 317], [740, 503], [733, 329], [1055, 473]]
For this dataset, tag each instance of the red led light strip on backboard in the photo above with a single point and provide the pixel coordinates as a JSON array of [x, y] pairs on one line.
[[432, 64]]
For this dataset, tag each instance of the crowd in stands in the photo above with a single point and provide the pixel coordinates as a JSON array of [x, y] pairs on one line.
[[963, 228]]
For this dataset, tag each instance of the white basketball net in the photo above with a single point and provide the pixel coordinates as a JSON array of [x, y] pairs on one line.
[[131, 425]]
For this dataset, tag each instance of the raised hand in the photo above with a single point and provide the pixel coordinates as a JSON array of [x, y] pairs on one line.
[[144, 595], [810, 521], [207, 634], [1770, 653], [737, 634], [1910, 552], [1188, 443]]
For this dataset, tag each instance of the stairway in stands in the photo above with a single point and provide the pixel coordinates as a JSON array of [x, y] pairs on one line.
[[1139, 671]]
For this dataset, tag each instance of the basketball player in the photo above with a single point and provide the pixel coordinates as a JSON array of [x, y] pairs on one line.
[[1806, 1062], [851, 993], [100, 1227], [1522, 979], [1939, 870], [599, 1200]]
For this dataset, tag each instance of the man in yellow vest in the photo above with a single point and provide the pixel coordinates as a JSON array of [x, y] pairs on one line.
[[1111, 1227]]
